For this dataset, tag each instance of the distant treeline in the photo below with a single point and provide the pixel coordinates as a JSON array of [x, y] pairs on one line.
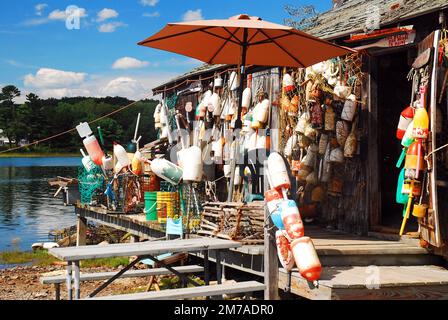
[[38, 118]]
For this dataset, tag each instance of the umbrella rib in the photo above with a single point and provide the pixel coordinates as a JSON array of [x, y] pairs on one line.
[[271, 39], [173, 35], [240, 43], [220, 37], [223, 45], [283, 49], [255, 34]]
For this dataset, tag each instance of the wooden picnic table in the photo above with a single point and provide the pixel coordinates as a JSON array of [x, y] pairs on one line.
[[143, 250]]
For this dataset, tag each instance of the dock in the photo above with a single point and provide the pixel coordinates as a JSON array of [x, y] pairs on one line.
[[355, 267]]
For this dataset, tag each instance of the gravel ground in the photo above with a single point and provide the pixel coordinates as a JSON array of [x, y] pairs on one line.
[[22, 283]]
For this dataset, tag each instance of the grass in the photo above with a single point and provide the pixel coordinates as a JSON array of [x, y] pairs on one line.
[[37, 258], [41, 258]]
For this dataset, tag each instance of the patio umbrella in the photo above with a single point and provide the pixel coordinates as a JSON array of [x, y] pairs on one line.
[[244, 40]]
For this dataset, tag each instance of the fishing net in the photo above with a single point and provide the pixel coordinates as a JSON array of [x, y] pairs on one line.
[[90, 183]]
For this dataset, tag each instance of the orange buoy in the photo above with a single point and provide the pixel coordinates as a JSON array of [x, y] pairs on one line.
[[292, 220], [306, 259], [414, 161], [284, 251]]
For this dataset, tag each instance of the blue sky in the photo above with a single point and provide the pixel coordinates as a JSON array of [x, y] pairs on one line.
[[39, 54]]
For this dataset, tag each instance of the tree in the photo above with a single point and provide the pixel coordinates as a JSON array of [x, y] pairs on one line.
[[302, 17], [8, 111], [36, 120]]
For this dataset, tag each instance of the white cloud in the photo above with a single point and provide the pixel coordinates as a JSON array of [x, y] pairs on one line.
[[39, 8], [129, 63], [62, 15], [56, 15], [63, 92], [52, 78], [110, 27], [193, 15], [149, 3], [106, 14], [155, 14], [124, 87]]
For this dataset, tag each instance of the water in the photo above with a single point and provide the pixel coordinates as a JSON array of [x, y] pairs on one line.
[[28, 210]]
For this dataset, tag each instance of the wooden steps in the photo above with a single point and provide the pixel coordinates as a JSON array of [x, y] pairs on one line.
[[372, 283], [190, 293], [340, 249]]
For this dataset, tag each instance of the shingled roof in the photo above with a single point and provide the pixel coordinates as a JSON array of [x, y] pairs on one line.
[[351, 17], [196, 72]]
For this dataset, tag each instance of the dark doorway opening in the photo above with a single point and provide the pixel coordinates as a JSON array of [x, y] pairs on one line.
[[394, 95]]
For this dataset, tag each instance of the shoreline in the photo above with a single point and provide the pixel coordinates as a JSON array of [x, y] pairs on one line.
[[38, 155]]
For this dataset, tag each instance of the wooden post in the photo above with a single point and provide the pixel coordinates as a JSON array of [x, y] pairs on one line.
[[270, 254], [81, 231], [373, 169]]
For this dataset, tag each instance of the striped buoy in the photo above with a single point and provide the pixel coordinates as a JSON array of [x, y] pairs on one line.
[[406, 118]]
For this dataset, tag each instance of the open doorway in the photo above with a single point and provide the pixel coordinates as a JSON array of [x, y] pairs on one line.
[[394, 95]]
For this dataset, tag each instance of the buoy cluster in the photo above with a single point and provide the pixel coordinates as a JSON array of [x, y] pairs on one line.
[[293, 247]]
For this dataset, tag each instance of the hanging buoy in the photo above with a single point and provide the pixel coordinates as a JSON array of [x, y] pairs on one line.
[[215, 103], [406, 142], [219, 82], [157, 116], [192, 165], [234, 83], [306, 259], [304, 122], [342, 132], [337, 156], [91, 143], [406, 118], [330, 121], [421, 124], [278, 172], [292, 142], [87, 162], [247, 98], [288, 83], [317, 116], [137, 167], [284, 251], [262, 113], [414, 162], [292, 220], [349, 110], [294, 106], [121, 155]]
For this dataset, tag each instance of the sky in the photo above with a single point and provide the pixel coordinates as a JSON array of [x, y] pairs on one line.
[[45, 53]]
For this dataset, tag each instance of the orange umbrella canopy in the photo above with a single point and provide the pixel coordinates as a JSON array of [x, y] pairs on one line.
[[228, 41]]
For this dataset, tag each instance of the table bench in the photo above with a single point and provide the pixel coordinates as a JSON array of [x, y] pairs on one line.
[[101, 276], [189, 293], [143, 250]]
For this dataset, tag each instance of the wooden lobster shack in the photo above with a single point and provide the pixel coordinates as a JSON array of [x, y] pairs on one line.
[[343, 114]]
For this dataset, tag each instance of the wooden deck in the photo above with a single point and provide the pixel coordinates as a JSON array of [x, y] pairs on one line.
[[406, 270], [359, 268], [373, 283]]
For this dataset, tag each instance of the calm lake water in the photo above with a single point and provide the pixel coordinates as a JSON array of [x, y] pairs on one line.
[[28, 210]]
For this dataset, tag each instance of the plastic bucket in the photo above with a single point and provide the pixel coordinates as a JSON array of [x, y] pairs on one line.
[[151, 206]]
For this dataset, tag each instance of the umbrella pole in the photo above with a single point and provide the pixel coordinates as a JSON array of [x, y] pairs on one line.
[[238, 123]]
